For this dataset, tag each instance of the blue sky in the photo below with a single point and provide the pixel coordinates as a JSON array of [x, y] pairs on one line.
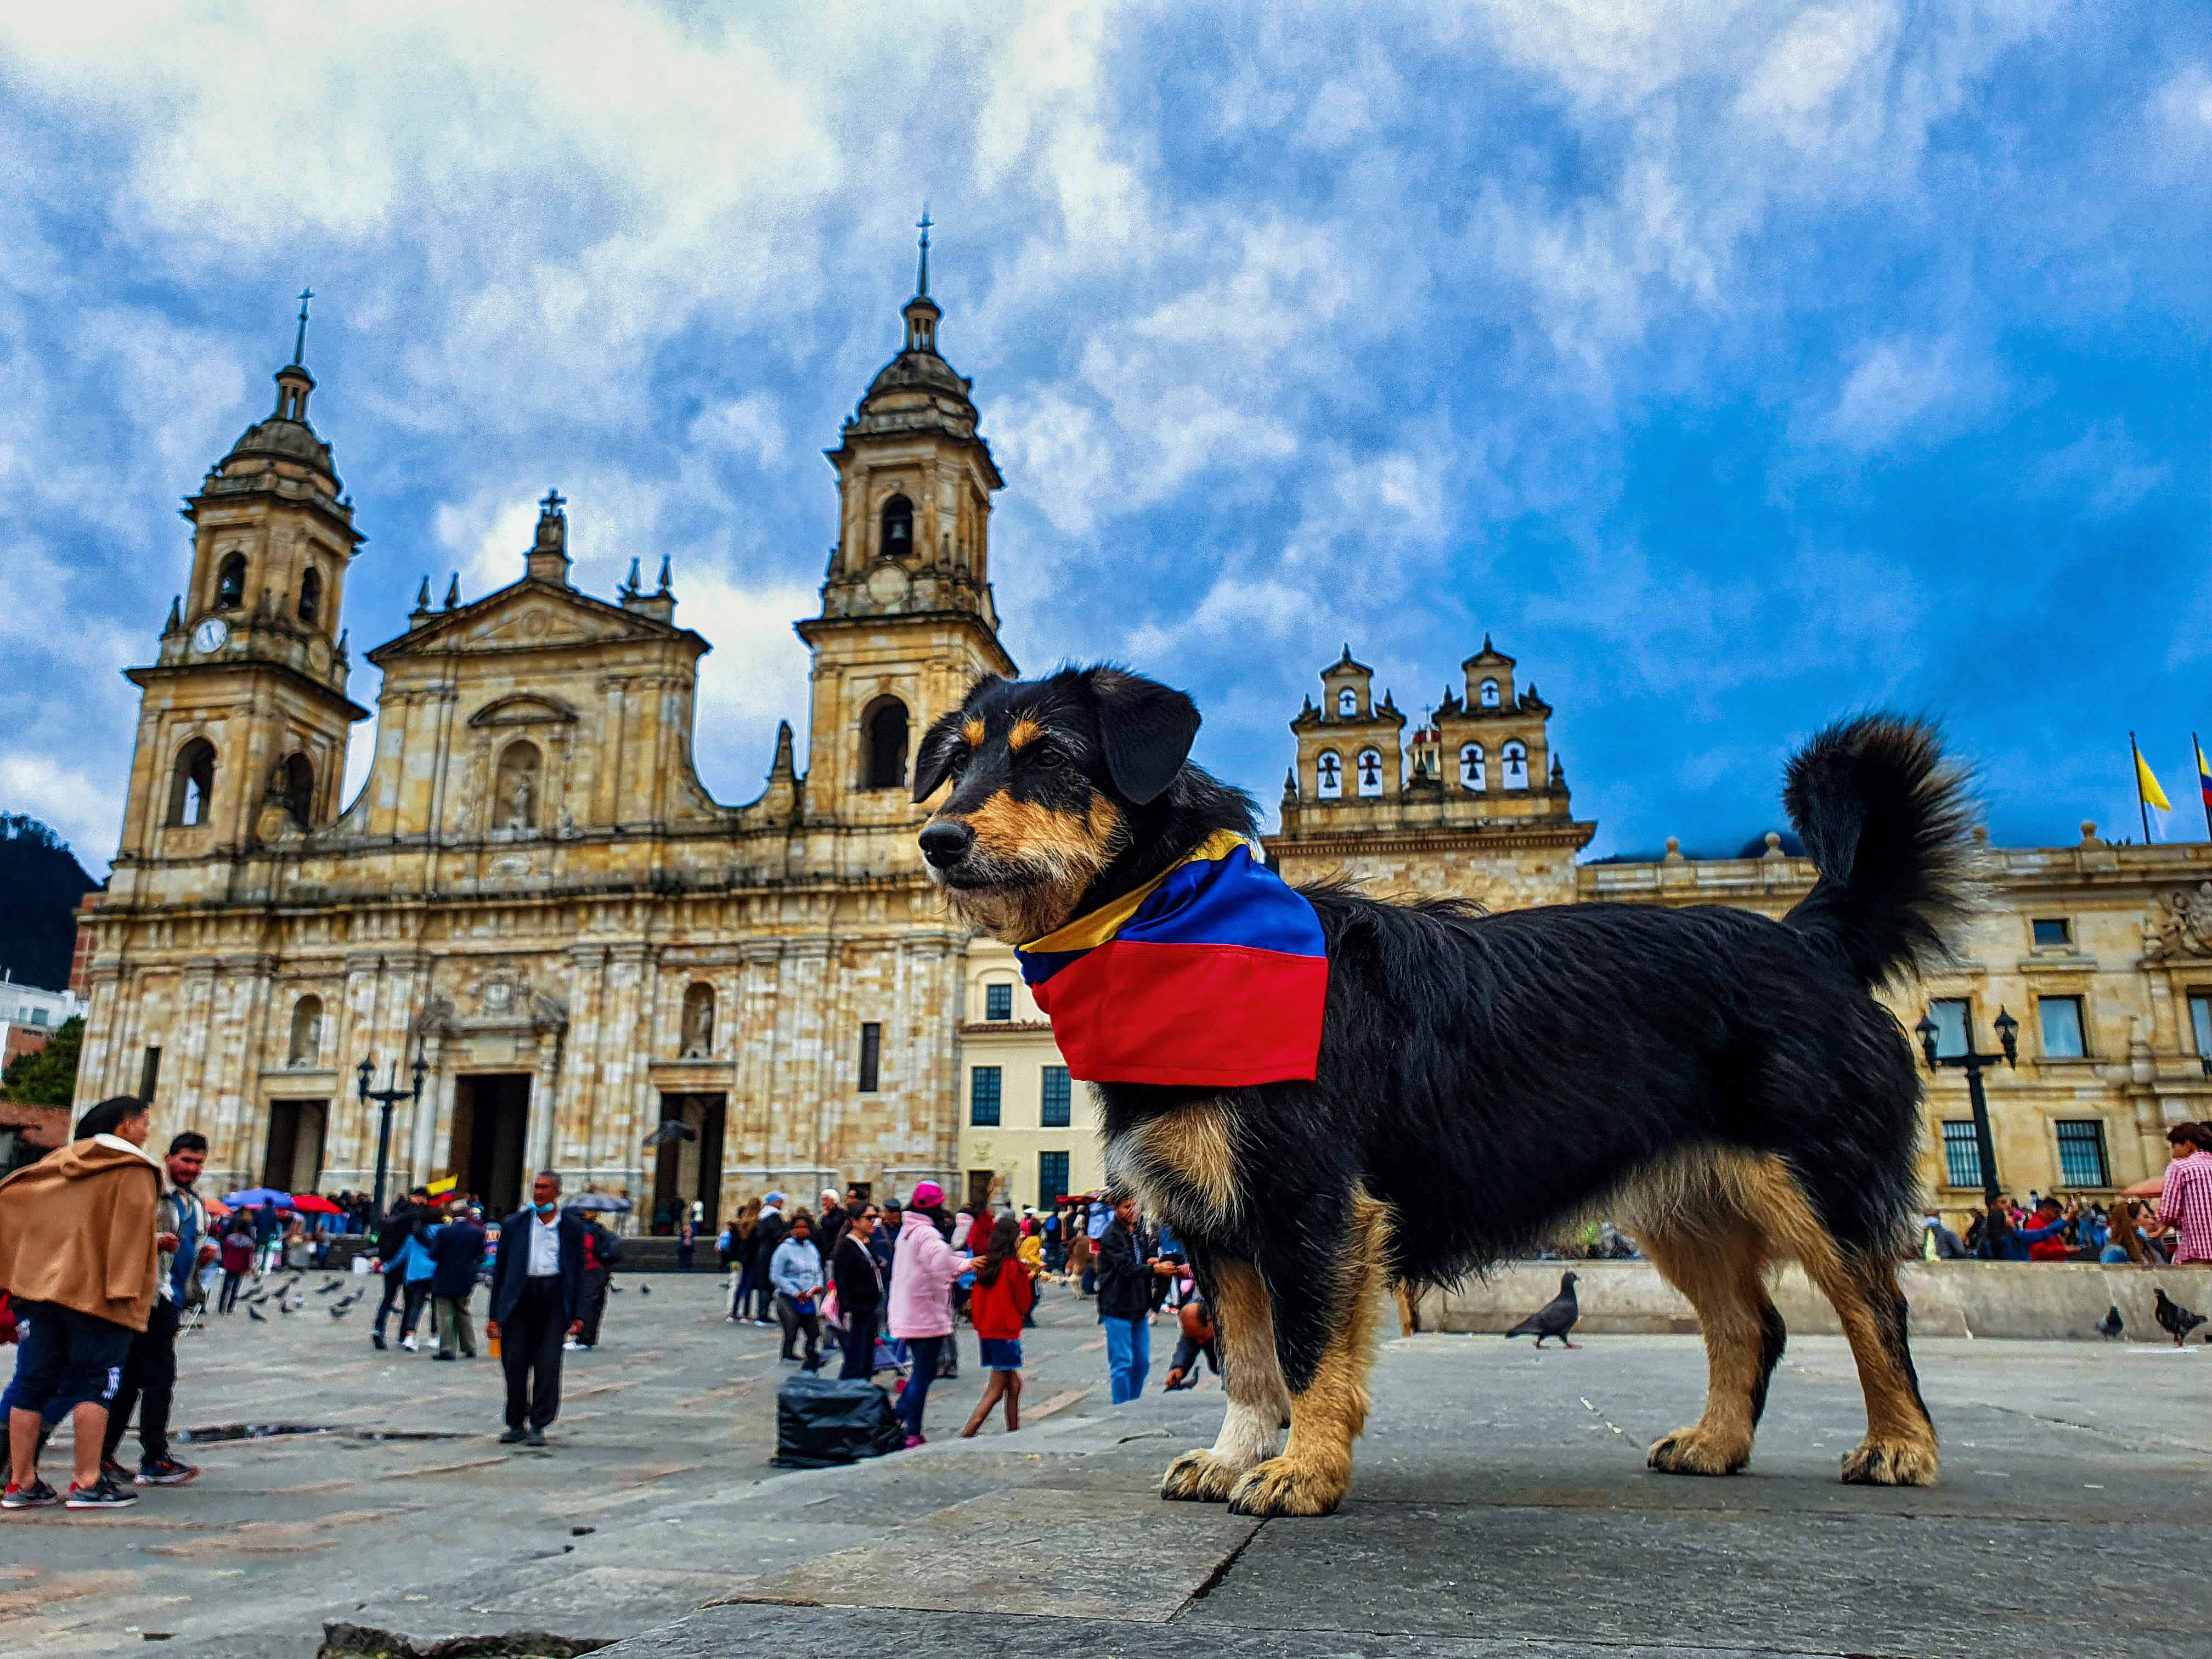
[[1734, 365]]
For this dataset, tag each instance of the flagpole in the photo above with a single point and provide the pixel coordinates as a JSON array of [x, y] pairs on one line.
[[2142, 807], [2196, 756]]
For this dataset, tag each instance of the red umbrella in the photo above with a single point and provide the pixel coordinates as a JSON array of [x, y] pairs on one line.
[[313, 1204]]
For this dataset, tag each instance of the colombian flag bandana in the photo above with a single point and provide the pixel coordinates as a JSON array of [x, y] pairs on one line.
[[1213, 974]]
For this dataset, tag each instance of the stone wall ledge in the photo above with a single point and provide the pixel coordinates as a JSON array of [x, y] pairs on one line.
[[2055, 1300]]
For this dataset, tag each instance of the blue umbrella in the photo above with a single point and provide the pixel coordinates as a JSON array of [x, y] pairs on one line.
[[254, 1197]]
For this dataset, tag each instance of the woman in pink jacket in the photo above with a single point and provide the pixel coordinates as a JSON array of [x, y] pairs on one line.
[[923, 1268]]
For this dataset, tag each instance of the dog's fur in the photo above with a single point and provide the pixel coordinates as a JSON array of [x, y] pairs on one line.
[[1723, 1085]]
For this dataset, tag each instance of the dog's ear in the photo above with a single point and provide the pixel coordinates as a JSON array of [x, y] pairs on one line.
[[1145, 729], [932, 763]]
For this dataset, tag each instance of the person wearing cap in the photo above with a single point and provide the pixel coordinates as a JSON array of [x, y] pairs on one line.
[[768, 1233], [921, 1299]]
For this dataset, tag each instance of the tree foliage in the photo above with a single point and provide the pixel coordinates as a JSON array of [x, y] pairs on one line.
[[40, 882], [48, 1078]]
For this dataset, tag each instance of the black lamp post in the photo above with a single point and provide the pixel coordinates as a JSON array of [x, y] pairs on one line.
[[1972, 1065], [384, 1098]]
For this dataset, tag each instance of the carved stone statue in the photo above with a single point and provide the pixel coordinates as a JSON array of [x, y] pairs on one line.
[[520, 798], [699, 1028], [2182, 925]]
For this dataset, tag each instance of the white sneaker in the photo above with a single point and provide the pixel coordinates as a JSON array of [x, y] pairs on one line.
[[407, 1343], [572, 1346]]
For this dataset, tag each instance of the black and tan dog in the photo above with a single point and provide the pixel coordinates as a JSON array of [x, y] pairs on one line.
[[1723, 1085]]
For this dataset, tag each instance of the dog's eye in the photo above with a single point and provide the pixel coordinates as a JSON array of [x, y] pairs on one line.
[[1047, 755], [960, 761]]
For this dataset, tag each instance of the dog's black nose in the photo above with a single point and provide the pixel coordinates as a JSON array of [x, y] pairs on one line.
[[945, 843]]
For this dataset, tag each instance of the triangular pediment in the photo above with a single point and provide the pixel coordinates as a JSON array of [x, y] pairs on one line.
[[529, 615]]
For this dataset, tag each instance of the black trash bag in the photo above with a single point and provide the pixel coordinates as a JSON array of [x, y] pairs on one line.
[[820, 1423]]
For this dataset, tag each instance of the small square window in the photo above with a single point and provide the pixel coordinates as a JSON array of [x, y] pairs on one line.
[[1949, 1014], [1962, 1153], [2081, 1153], [999, 1001], [983, 1096], [2053, 930], [2062, 1027]]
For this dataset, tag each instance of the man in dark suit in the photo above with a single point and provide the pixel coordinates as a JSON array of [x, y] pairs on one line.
[[536, 1303]]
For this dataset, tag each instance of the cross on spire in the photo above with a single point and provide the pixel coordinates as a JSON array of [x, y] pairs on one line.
[[554, 500], [922, 224], [300, 343]]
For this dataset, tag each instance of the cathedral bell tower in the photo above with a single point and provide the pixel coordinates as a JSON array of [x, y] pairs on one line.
[[908, 622], [243, 718]]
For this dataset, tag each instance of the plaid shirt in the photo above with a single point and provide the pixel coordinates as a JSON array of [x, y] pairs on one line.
[[2185, 1203]]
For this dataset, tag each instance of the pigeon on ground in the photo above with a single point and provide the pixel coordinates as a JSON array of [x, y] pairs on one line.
[[345, 1302], [324, 1290], [339, 1311], [2176, 1321], [645, 1290], [2111, 1325], [256, 1315], [1555, 1318]]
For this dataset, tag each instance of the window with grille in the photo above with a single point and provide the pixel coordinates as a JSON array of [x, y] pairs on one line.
[[999, 1001], [1056, 1095], [871, 1056], [1962, 1154], [2061, 1018], [1949, 1014], [1052, 1178], [983, 1096], [2081, 1154]]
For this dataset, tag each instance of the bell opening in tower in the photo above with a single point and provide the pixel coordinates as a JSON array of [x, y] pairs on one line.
[[491, 1115], [898, 527]]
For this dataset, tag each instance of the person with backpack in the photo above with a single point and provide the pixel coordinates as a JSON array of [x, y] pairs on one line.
[[602, 1252], [754, 1289]]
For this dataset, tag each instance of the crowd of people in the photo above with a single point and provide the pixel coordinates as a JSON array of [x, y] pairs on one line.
[[2173, 1231], [104, 1247], [891, 1283]]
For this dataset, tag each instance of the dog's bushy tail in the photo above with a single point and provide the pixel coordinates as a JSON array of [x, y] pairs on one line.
[[1888, 820]]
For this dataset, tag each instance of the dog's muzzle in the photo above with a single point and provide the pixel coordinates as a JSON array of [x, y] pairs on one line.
[[946, 842]]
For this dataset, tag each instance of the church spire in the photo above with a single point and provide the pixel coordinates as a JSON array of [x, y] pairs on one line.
[[921, 311], [300, 341]]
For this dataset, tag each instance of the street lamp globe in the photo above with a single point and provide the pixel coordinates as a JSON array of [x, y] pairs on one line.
[[1927, 1031], [2009, 1036]]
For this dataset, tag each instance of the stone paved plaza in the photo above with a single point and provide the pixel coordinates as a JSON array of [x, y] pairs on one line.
[[1500, 1506]]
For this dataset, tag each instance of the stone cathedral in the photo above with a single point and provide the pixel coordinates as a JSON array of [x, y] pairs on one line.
[[533, 893]]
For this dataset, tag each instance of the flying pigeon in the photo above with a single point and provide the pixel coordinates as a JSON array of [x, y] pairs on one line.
[[1555, 1318], [2176, 1321], [2111, 1325], [256, 1315], [671, 1129]]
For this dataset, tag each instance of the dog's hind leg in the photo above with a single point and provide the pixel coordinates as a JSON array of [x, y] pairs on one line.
[[1719, 1271], [1326, 1309], [1253, 1378]]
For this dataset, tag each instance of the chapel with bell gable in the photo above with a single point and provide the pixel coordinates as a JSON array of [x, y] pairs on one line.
[[532, 893]]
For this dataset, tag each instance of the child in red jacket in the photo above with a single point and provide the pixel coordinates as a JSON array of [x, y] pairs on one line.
[[997, 1307]]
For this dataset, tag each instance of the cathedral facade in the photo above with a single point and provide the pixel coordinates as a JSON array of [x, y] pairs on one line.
[[533, 896]]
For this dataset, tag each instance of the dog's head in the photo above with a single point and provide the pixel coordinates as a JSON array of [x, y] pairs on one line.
[[1048, 777]]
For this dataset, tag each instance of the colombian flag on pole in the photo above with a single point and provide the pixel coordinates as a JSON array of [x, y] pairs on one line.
[[1213, 975], [2204, 776]]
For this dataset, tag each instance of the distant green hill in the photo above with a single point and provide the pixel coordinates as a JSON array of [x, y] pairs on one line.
[[40, 882]]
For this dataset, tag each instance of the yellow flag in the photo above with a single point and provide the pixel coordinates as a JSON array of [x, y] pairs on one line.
[[445, 1184], [2148, 785]]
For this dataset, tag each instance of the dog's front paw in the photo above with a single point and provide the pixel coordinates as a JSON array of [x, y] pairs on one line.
[[1875, 1462], [1198, 1477], [1698, 1450], [1282, 1486]]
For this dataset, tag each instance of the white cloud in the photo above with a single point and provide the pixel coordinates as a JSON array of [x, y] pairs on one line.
[[84, 810], [1895, 383]]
